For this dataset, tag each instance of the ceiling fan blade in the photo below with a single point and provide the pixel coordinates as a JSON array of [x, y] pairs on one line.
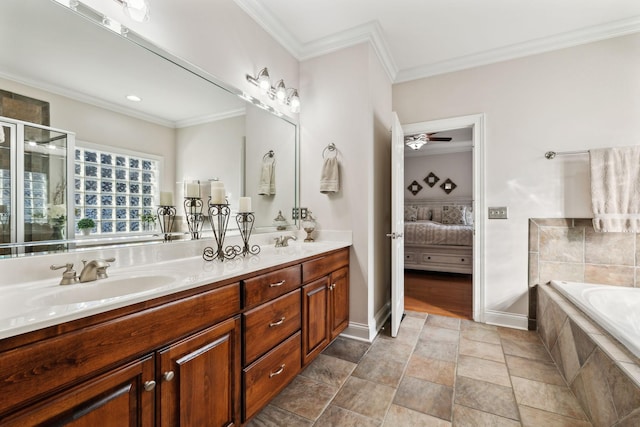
[[435, 138]]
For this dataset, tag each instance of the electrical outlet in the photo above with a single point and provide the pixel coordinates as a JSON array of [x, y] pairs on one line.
[[303, 213], [295, 213], [498, 212]]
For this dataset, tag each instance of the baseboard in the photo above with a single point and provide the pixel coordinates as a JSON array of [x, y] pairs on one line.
[[363, 332], [509, 320]]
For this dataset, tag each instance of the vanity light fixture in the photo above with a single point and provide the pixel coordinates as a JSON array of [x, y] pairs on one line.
[[284, 95], [138, 10], [134, 98]]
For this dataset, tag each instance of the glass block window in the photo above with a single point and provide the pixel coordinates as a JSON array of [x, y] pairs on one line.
[[114, 189]]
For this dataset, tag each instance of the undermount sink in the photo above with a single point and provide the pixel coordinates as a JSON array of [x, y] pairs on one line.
[[103, 289]]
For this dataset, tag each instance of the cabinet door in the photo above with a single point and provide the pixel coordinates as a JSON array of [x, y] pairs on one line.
[[117, 398], [339, 301], [199, 378], [315, 315]]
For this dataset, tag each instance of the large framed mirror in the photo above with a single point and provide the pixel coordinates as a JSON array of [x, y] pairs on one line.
[[126, 101]]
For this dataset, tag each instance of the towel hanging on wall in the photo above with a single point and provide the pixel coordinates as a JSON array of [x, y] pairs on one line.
[[330, 177], [615, 189], [267, 185]]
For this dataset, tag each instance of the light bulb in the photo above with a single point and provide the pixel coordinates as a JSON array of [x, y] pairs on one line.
[[138, 10], [281, 92], [294, 102], [264, 81]]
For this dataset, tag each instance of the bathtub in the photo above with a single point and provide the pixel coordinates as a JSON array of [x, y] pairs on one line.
[[616, 309]]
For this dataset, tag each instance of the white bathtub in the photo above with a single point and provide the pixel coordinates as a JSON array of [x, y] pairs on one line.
[[616, 309]]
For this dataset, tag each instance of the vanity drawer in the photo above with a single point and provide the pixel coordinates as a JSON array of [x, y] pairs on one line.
[[267, 325], [446, 259], [267, 286], [322, 266], [270, 374]]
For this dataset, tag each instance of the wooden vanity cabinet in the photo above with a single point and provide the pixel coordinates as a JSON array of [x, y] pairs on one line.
[[325, 302]]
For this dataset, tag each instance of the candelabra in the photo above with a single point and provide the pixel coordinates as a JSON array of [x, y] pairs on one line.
[[219, 218], [245, 222], [166, 215], [193, 214]]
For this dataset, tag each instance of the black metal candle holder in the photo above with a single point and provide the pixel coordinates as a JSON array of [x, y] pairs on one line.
[[219, 218], [193, 215], [245, 221], [167, 216]]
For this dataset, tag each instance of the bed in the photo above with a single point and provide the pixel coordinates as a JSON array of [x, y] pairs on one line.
[[438, 235]]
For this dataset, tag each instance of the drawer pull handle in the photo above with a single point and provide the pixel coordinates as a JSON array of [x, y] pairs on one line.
[[149, 385], [275, 285], [168, 376], [428, 257], [278, 323], [462, 259], [278, 372]]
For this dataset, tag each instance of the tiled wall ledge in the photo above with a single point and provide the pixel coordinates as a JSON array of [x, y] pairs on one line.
[[604, 376], [569, 249]]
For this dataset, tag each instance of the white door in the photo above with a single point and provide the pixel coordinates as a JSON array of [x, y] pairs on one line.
[[397, 225]]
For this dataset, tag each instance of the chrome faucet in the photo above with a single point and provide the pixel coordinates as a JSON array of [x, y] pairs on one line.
[[95, 269], [283, 241]]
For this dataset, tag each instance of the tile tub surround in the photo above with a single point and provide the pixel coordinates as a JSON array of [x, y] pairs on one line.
[[569, 249], [604, 376], [439, 371]]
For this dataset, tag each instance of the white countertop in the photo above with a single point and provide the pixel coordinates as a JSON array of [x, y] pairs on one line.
[[36, 304]]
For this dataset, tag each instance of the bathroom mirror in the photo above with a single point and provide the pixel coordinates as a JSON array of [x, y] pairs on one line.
[[199, 128]]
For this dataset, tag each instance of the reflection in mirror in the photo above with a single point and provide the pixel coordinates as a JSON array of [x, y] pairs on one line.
[[194, 126]]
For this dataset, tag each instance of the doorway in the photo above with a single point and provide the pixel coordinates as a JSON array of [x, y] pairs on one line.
[[474, 126]]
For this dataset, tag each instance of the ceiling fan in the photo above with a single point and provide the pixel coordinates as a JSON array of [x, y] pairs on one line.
[[417, 141]]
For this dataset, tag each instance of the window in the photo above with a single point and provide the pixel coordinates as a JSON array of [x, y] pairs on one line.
[[114, 188]]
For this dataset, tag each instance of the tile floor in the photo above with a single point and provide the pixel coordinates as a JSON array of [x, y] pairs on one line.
[[439, 371]]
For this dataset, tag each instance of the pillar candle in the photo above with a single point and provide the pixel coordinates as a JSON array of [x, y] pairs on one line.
[[245, 204], [166, 198], [193, 189], [218, 196], [216, 185]]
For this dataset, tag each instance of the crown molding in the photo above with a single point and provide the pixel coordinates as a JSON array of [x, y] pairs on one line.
[[370, 32], [209, 118], [520, 50]]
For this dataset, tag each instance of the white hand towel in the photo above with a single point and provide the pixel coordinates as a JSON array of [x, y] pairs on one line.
[[330, 178], [267, 184], [615, 189]]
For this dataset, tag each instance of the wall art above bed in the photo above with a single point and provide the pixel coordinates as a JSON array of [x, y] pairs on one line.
[[431, 179], [448, 186], [414, 187]]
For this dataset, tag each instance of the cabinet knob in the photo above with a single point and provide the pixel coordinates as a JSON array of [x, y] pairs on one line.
[[149, 385], [278, 323], [168, 376], [462, 259], [278, 372], [275, 285], [332, 286]]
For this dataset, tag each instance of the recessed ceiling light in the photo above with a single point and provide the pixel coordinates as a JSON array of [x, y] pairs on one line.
[[134, 98]]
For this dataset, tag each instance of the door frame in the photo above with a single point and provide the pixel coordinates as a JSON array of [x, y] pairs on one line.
[[477, 124]]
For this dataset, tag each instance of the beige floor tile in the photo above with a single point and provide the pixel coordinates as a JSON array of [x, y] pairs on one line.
[[443, 322], [305, 397], [410, 322], [447, 351], [337, 416], [399, 416], [482, 350], [470, 324], [382, 371], [365, 397], [548, 397], [388, 348], [347, 349], [433, 370], [417, 314], [272, 416], [532, 417], [534, 370], [426, 397], [329, 370], [487, 397], [406, 335], [483, 370], [518, 334], [436, 333], [481, 334], [527, 349], [464, 416]]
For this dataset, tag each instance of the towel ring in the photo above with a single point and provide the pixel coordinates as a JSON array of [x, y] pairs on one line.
[[331, 147], [270, 154]]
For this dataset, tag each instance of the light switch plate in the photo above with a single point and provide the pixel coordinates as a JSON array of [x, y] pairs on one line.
[[500, 212]]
